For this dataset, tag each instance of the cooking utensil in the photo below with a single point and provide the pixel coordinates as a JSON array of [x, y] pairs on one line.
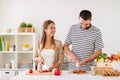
[[45, 66]]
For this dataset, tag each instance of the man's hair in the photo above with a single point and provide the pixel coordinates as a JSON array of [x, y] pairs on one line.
[[85, 14]]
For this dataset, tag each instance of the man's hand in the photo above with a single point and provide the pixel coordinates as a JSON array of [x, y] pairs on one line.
[[73, 58], [81, 63]]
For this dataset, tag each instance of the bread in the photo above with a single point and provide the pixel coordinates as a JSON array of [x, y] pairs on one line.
[[107, 71]]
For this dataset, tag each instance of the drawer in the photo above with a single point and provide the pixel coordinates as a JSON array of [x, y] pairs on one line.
[[6, 75], [20, 72]]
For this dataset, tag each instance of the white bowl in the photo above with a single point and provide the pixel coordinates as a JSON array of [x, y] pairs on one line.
[[26, 48], [116, 65]]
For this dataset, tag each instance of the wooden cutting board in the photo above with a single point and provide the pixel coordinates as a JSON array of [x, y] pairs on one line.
[[81, 72], [38, 73]]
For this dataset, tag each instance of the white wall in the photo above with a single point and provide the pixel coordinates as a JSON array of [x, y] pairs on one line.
[[0, 16], [106, 15]]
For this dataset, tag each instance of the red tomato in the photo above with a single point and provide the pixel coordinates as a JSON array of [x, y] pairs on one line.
[[30, 71], [57, 72]]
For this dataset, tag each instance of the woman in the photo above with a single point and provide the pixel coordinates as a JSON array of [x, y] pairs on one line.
[[48, 50]]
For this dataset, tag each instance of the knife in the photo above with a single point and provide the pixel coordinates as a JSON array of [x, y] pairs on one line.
[[45, 66]]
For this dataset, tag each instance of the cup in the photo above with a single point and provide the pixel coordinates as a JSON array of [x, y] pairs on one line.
[[7, 65], [94, 70], [11, 49], [8, 30]]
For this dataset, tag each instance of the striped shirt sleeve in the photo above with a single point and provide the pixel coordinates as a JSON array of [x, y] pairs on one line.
[[68, 37], [99, 42]]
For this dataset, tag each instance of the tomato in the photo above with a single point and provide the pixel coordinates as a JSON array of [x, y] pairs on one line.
[[57, 72], [30, 71]]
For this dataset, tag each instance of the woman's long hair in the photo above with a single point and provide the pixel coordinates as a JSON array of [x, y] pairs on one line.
[[43, 37]]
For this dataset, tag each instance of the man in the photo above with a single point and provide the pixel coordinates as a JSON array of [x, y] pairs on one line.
[[86, 41]]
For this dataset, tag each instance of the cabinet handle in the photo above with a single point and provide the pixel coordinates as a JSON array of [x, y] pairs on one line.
[[7, 72]]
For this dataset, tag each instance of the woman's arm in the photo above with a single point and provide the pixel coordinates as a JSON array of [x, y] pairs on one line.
[[37, 58], [60, 55]]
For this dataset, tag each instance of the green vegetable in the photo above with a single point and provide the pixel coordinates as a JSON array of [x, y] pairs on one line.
[[102, 55]]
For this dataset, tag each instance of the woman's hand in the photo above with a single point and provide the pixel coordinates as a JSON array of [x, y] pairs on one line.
[[51, 68], [41, 59]]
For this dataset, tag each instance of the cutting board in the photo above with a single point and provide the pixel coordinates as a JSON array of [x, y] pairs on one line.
[[38, 73], [71, 71]]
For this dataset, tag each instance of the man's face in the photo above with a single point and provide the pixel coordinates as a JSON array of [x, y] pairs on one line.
[[84, 23]]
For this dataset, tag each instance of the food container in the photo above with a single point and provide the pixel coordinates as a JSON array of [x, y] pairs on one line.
[[8, 65], [25, 48], [94, 70], [116, 65]]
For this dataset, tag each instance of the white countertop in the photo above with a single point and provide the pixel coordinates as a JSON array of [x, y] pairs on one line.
[[65, 75]]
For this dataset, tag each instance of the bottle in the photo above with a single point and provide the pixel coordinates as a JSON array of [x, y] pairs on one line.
[[13, 63], [7, 45], [14, 47], [0, 44], [3, 43]]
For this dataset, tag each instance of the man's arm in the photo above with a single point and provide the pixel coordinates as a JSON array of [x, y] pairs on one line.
[[72, 56], [98, 47], [92, 57]]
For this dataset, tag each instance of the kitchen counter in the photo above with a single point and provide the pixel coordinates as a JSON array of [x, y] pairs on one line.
[[65, 75]]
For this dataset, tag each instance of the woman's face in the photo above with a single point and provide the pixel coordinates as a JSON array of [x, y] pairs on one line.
[[50, 31]]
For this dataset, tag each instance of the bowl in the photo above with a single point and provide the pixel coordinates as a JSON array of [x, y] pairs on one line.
[[116, 65], [25, 48]]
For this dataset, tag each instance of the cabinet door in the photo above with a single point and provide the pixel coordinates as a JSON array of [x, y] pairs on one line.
[[21, 72], [6, 75]]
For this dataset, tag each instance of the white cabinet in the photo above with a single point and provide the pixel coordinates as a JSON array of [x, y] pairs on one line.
[[6, 75], [20, 71], [17, 58]]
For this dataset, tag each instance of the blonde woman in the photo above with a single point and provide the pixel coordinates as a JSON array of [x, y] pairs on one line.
[[49, 51]]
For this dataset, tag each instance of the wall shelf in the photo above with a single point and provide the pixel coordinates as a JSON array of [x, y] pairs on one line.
[[22, 59]]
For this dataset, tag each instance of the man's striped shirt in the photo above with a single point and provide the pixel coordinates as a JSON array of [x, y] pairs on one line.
[[84, 43]]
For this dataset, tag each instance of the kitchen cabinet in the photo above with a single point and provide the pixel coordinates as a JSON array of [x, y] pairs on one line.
[[15, 56], [7, 74]]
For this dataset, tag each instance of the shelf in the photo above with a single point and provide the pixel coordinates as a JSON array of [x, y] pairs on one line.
[[7, 51], [6, 69], [7, 33], [16, 52], [24, 52], [21, 69], [25, 33], [19, 55], [17, 33]]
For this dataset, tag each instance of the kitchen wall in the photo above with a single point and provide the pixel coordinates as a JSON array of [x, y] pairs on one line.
[[106, 15], [0, 16]]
